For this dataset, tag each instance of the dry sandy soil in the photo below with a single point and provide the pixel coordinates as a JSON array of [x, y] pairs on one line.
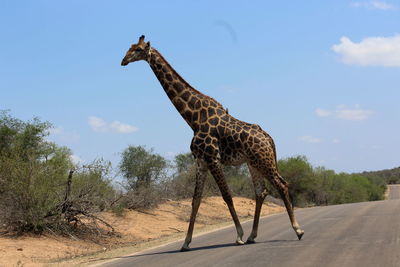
[[136, 231]]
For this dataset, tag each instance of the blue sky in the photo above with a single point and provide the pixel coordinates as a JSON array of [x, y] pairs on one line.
[[322, 77]]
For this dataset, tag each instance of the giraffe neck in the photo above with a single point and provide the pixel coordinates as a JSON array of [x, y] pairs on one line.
[[188, 101]]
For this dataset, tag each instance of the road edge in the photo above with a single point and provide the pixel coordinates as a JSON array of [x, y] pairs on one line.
[[99, 258]]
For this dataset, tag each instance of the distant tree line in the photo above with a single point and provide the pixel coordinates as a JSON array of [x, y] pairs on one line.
[[309, 186], [319, 186], [42, 189], [390, 176]]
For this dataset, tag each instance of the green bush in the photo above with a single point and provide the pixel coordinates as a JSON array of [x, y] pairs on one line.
[[144, 173], [239, 181], [91, 187], [33, 179], [298, 172], [318, 186], [142, 167], [389, 176]]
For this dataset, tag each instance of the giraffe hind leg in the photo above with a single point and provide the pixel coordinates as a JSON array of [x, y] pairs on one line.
[[260, 194], [283, 188]]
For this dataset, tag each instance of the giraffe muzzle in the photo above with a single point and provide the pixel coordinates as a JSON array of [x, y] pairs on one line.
[[124, 62]]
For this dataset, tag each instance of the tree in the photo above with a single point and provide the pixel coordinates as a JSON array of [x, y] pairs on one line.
[[141, 167], [34, 181], [32, 172], [183, 162], [298, 172]]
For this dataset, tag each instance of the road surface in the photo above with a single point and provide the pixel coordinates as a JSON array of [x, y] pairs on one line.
[[394, 192], [360, 234]]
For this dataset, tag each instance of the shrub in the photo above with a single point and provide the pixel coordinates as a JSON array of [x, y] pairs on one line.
[[34, 190], [319, 186], [141, 167], [143, 171]]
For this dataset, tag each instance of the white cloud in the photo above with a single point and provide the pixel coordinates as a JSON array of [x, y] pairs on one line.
[[323, 112], [371, 51], [119, 127], [345, 113], [335, 141], [97, 124], [100, 125], [356, 114], [310, 139], [381, 5], [373, 4]]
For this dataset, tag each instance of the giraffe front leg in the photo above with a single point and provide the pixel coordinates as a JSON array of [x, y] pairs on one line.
[[201, 174], [217, 172]]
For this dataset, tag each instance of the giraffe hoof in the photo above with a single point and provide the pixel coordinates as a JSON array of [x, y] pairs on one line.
[[250, 241], [300, 234], [183, 249], [239, 242]]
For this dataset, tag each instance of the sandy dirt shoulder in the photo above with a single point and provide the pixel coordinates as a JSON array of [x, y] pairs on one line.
[[136, 231]]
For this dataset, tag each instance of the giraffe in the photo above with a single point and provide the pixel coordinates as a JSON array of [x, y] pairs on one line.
[[218, 139]]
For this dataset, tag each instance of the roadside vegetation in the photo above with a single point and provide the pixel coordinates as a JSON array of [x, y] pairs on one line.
[[390, 176], [41, 189]]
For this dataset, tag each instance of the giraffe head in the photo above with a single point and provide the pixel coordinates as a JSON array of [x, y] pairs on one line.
[[139, 51]]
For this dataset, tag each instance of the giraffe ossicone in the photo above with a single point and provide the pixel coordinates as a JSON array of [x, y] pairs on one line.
[[218, 139]]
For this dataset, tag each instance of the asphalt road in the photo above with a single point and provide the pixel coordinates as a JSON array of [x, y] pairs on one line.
[[394, 192], [361, 234]]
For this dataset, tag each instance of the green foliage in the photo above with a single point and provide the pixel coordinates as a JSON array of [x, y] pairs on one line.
[[33, 178], [141, 167], [389, 176], [318, 186], [239, 181], [183, 162], [183, 181], [303, 183], [144, 172], [91, 188], [29, 167], [307, 185]]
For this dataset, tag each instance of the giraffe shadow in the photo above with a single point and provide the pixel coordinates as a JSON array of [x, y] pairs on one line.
[[176, 251], [226, 245], [278, 241]]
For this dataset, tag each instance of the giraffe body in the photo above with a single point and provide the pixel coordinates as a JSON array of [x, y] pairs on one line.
[[219, 139]]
